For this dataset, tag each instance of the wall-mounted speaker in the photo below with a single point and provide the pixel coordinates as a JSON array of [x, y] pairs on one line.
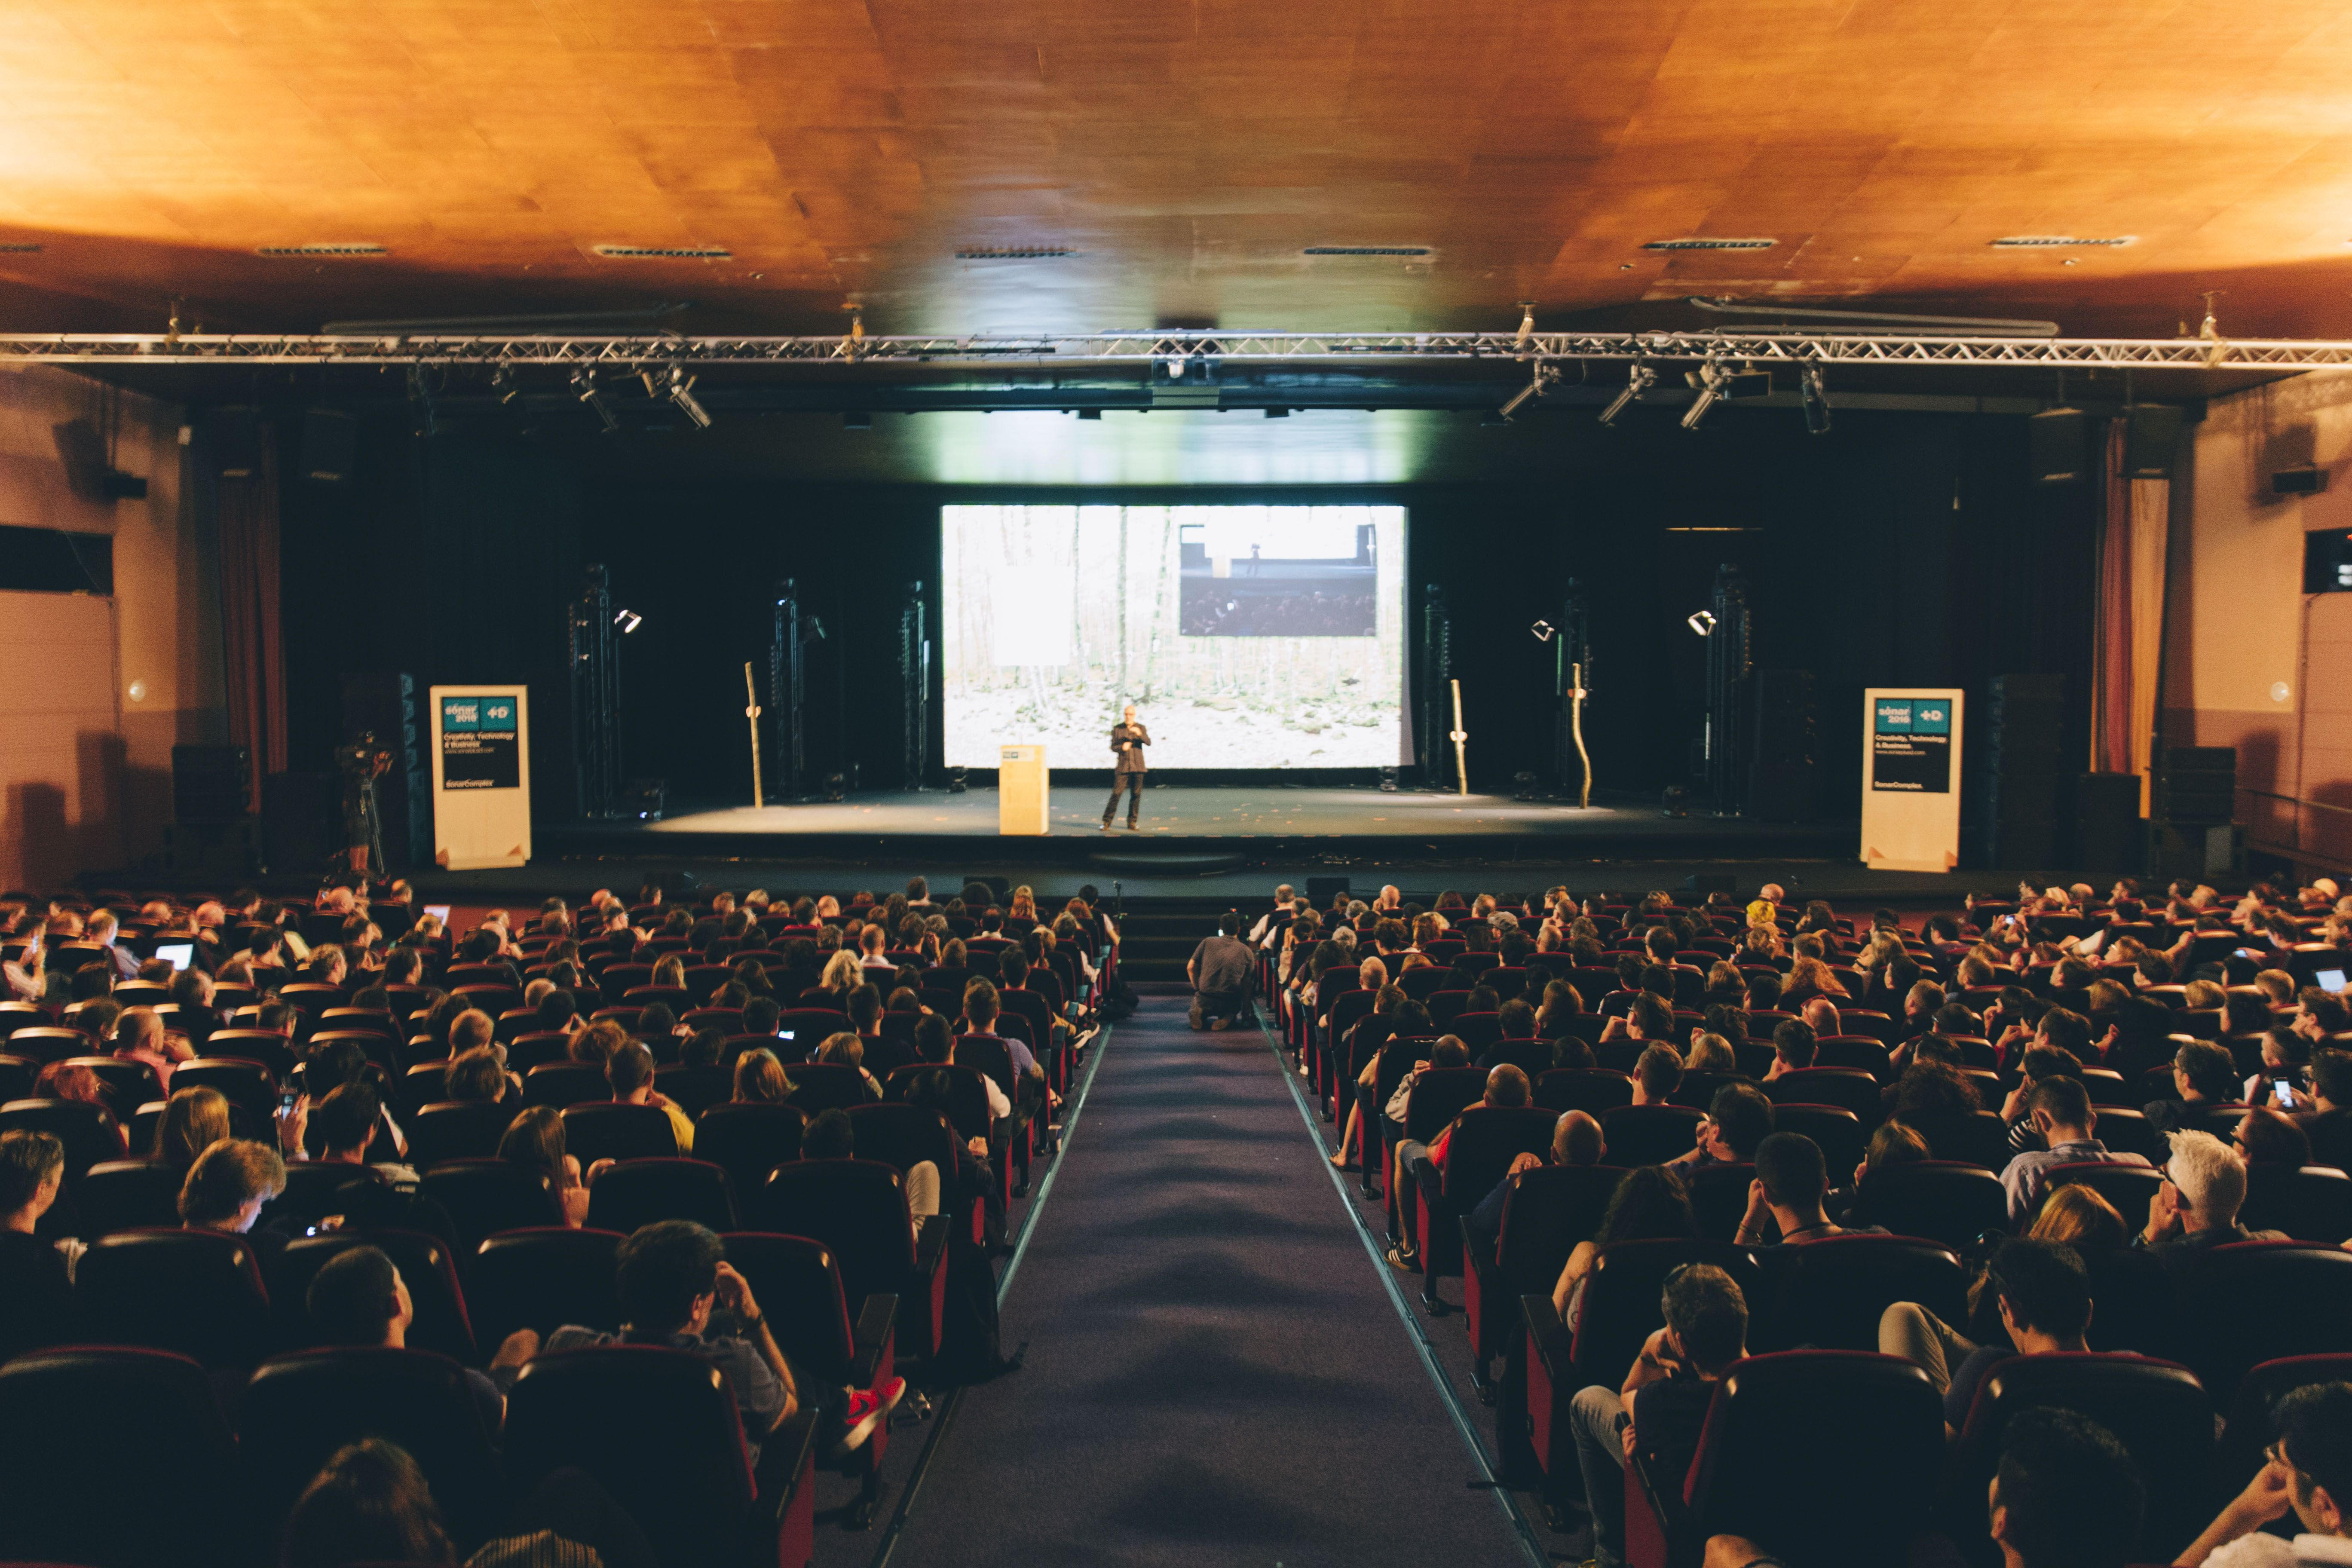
[[2298, 481], [2057, 443], [329, 444], [2151, 438], [236, 442]]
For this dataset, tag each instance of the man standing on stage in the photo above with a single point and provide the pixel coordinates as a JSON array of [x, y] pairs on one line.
[[1127, 740]]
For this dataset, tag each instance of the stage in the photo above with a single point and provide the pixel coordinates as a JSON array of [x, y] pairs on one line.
[[1214, 838]]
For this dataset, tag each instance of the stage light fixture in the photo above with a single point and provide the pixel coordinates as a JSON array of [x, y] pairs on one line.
[[1527, 332], [1527, 782], [1638, 381], [1702, 622], [583, 382], [957, 780], [681, 392], [1543, 631], [1817, 398], [1388, 780], [628, 621], [502, 382], [1709, 378], [1534, 388]]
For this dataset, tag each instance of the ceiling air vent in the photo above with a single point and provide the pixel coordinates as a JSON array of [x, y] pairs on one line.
[[1710, 244], [1366, 250], [2053, 241], [663, 252], [352, 249], [1013, 252], [18, 248]]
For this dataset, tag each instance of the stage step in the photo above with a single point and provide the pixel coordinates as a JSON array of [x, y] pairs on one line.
[[1158, 935]]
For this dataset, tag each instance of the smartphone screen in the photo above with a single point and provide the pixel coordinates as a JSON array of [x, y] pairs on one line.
[[2284, 1092], [438, 911], [286, 1103]]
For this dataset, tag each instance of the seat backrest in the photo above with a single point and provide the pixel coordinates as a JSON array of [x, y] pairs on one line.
[[1855, 1091], [427, 1268], [657, 1429], [1719, 1195], [857, 1207], [611, 1130], [244, 1082], [1781, 1421], [458, 1130], [748, 1140], [2128, 1187], [62, 1410], [89, 1132], [989, 1055], [638, 1192], [2253, 1302], [1439, 1096], [2126, 1130], [1619, 1306], [1484, 1141], [2253, 1421], [798, 1286], [2313, 1202], [1859, 1052], [1942, 1200], [542, 1279], [563, 1084], [486, 1197], [1836, 1131], [1649, 1134], [129, 1194], [1974, 1138], [1549, 1210], [2158, 1410], [1834, 1292], [1588, 1090], [830, 1086], [301, 1407], [902, 1135], [968, 1102], [218, 1309]]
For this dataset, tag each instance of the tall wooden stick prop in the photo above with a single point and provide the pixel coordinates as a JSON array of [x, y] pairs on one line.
[[1460, 764], [1576, 727], [751, 714]]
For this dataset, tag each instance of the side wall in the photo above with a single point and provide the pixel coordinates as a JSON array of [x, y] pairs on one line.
[[86, 767], [2252, 661]]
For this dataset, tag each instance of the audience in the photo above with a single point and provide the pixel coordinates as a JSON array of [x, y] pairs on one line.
[[2066, 1124]]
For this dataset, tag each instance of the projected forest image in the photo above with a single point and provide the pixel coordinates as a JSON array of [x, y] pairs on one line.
[[1246, 637]]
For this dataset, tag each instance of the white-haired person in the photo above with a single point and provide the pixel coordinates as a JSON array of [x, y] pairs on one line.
[[2195, 1208]]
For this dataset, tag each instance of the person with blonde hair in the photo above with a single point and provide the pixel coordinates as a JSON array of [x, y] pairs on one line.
[[843, 974], [2077, 1215], [760, 1079], [194, 1120], [228, 1185]]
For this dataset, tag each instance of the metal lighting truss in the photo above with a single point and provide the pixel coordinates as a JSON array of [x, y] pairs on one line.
[[1169, 352]]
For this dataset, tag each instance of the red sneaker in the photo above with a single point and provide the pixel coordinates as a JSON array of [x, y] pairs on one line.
[[868, 1409]]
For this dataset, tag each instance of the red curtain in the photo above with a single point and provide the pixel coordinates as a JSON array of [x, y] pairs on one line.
[[253, 632]]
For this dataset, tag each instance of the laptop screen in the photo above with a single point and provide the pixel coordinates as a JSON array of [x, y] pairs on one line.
[[178, 954]]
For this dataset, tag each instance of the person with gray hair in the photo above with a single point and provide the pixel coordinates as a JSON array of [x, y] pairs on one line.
[[1268, 929], [2195, 1208]]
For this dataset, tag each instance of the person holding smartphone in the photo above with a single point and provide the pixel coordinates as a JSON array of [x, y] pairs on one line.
[[2283, 1080]]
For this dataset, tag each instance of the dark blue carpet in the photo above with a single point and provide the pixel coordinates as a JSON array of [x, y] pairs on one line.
[[1215, 1372]]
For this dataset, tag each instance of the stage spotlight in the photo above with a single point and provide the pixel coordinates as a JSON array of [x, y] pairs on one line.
[[1702, 622], [583, 382], [1710, 379], [502, 382], [628, 621], [681, 392], [835, 787], [957, 780], [1527, 334], [1527, 782], [1542, 631], [1639, 381], [1388, 780], [1176, 368], [1817, 398]]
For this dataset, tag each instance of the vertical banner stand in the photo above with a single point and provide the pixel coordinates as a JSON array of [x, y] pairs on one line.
[[1458, 735], [752, 713], [1910, 778], [1023, 808], [481, 776]]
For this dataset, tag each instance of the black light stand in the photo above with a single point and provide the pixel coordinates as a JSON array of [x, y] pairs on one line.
[[788, 694], [1729, 694], [594, 659], [915, 684], [1436, 679]]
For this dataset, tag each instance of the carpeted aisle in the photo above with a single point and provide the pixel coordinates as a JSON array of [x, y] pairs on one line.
[[1215, 1372]]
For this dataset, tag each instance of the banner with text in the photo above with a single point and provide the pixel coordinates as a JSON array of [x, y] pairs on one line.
[[481, 776]]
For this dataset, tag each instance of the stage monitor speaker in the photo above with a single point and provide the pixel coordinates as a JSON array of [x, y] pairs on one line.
[[211, 784], [2151, 438], [236, 443], [1321, 891], [2106, 822], [330, 445], [301, 822], [2194, 785], [2057, 443]]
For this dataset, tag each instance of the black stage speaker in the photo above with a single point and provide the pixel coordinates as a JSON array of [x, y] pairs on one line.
[[2151, 437], [2019, 802], [2299, 482], [2106, 823], [2057, 443], [2195, 786], [386, 705], [211, 784], [236, 443], [1784, 775], [329, 444], [301, 822]]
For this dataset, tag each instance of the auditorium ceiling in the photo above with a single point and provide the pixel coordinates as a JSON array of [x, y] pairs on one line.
[[1014, 166]]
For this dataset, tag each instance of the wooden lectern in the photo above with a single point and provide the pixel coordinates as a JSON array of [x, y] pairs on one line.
[[1021, 807]]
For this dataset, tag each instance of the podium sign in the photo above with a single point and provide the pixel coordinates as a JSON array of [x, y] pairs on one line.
[[481, 776], [1910, 778], [1021, 807]]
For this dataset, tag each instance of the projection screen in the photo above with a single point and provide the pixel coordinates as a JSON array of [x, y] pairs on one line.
[[1246, 637]]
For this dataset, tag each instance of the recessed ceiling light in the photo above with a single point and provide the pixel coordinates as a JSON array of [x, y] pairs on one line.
[[662, 252], [1704, 244], [1015, 252], [1366, 250], [18, 248], [2053, 241], [351, 248]]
